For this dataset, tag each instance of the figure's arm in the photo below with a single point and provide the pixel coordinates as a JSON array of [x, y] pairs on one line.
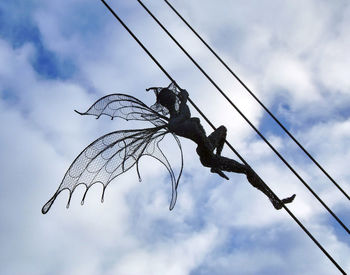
[[184, 110], [152, 88], [183, 95]]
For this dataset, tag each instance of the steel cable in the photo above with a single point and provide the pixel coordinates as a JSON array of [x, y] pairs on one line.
[[230, 146], [247, 120], [258, 100]]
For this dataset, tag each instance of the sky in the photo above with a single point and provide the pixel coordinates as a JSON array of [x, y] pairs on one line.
[[57, 56]]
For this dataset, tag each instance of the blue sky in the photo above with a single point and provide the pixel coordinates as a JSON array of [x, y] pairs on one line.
[[57, 56]]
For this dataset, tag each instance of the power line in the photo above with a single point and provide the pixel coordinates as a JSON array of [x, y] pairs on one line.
[[230, 146], [258, 100], [245, 118]]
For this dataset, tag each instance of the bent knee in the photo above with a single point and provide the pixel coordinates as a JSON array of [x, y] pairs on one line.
[[222, 132], [222, 129]]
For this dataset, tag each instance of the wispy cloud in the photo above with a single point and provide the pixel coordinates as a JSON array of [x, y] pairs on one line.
[[59, 56]]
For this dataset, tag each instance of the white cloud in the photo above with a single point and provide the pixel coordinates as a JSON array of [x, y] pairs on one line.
[[179, 256], [217, 226]]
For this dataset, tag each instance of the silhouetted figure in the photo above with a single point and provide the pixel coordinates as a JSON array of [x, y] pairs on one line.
[[115, 153], [182, 124]]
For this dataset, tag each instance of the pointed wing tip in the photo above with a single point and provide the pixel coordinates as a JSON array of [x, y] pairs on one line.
[[48, 205], [173, 200]]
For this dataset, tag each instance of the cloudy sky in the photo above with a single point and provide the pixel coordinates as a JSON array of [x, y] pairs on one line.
[[57, 56]]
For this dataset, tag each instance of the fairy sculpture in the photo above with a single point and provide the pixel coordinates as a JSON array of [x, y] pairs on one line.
[[115, 153]]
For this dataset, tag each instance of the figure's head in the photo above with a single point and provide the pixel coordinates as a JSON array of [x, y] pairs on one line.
[[166, 98]]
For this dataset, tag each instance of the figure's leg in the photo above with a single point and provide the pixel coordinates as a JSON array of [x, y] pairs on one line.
[[230, 165], [217, 139], [257, 182], [225, 164]]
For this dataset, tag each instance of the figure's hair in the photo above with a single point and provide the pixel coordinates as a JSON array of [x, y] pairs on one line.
[[166, 98]]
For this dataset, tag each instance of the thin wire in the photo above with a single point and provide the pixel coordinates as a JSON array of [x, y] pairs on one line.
[[259, 101], [246, 119], [230, 146]]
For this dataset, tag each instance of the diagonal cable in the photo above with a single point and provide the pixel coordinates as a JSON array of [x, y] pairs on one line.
[[247, 120], [231, 147], [259, 101]]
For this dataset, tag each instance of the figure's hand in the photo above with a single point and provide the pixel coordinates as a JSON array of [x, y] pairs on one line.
[[151, 88]]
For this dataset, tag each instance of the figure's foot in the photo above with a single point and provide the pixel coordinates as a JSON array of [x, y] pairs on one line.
[[257, 182], [278, 205], [288, 200], [219, 172]]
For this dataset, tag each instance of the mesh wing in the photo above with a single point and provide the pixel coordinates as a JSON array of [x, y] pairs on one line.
[[126, 107], [110, 156]]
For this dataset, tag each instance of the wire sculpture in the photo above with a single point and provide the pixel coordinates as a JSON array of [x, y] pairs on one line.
[[115, 153]]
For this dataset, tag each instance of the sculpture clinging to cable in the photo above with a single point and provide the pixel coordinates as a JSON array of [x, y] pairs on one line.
[[115, 153]]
